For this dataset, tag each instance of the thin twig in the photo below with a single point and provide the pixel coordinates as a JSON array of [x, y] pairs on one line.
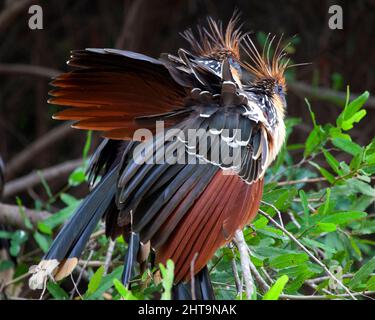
[[245, 263], [292, 182], [258, 277], [75, 288], [294, 220], [81, 275], [291, 236], [25, 275], [235, 271], [276, 210], [320, 279], [108, 256]]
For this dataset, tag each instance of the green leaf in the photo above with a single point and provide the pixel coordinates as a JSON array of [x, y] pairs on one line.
[[370, 159], [330, 178], [347, 146], [327, 202], [47, 225], [361, 187], [5, 234], [313, 141], [288, 260], [167, 281], [351, 110], [356, 104], [274, 292], [56, 291], [77, 177], [68, 199], [105, 284], [45, 184], [87, 145], [18, 238], [95, 281], [337, 133], [362, 273], [23, 215], [305, 205], [42, 241], [6, 265], [312, 114], [325, 227], [333, 163], [343, 217], [371, 283], [348, 124], [125, 293], [316, 244]]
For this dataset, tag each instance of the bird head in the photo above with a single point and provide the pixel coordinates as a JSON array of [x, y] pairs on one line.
[[267, 73]]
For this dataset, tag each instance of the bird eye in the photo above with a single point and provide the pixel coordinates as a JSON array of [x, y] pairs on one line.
[[279, 89]]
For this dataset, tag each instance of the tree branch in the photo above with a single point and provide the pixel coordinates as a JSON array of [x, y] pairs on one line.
[[32, 151], [291, 182], [26, 69], [245, 263], [108, 256], [11, 12], [32, 179], [303, 90], [129, 27], [10, 215]]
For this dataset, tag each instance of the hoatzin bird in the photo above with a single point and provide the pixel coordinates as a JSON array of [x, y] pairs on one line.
[[186, 210]]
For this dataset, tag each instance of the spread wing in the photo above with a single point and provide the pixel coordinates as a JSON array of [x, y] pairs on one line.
[[111, 88]]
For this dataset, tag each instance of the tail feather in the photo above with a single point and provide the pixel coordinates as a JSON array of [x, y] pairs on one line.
[[63, 255], [202, 288], [130, 258]]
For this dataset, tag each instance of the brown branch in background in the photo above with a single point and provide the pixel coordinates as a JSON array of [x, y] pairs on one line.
[[27, 69], [127, 38], [31, 152], [32, 179], [11, 215], [304, 90], [12, 11]]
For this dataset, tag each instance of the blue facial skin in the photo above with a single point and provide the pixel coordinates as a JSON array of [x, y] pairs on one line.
[[235, 65], [280, 92]]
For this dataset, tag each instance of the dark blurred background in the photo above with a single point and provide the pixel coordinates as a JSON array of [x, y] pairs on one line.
[[30, 139]]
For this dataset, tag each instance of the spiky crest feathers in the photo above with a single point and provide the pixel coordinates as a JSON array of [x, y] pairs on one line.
[[215, 42]]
